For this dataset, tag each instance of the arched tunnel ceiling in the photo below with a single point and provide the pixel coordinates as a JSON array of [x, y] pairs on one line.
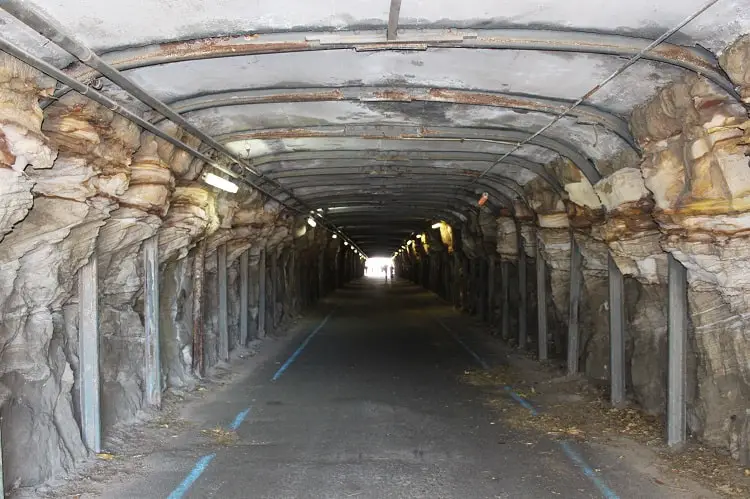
[[388, 135]]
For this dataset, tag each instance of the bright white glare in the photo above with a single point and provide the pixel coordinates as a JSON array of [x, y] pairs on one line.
[[378, 267], [334, 236], [223, 184], [346, 243], [436, 226], [311, 222]]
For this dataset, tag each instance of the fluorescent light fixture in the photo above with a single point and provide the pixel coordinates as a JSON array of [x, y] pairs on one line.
[[346, 243], [436, 225], [334, 236], [320, 210], [311, 222], [223, 184]]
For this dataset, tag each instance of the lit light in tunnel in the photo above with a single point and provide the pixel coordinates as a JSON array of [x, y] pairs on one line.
[[223, 184], [311, 222], [378, 267], [437, 225], [334, 236]]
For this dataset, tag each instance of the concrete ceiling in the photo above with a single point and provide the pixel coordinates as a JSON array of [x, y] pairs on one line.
[[318, 99]]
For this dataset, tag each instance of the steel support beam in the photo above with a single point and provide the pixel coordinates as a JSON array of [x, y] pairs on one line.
[[221, 276], [677, 372], [88, 353], [262, 294], [616, 333], [244, 296], [523, 295], [402, 135], [491, 289], [583, 113], [471, 168], [151, 320], [199, 331], [505, 292], [576, 280], [691, 59], [273, 285], [541, 305]]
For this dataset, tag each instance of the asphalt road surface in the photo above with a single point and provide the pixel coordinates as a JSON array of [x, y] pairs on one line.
[[371, 405]]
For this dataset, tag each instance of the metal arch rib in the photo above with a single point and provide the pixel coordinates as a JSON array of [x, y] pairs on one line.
[[507, 190], [335, 167], [431, 186], [495, 179], [692, 59], [587, 113], [392, 156], [508, 136], [406, 197]]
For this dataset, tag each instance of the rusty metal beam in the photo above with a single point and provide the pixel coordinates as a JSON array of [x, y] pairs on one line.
[[402, 169], [509, 190], [422, 134], [585, 113], [693, 59], [390, 157]]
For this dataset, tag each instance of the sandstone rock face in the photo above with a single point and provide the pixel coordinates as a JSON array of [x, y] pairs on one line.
[[78, 180]]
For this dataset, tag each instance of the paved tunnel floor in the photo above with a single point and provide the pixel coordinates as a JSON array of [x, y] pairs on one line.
[[373, 406]]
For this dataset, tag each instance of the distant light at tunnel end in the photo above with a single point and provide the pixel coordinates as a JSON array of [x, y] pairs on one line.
[[223, 184]]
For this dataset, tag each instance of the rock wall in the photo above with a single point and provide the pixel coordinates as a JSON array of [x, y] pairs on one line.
[[688, 195], [78, 180]]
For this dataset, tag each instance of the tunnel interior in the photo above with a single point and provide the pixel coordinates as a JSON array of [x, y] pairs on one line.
[[177, 180]]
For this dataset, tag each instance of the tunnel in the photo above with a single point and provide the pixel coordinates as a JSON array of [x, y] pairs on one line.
[[184, 183]]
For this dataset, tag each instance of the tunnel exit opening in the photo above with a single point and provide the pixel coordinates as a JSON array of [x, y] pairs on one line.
[[379, 267]]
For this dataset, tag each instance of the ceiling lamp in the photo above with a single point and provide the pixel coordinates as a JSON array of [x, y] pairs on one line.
[[437, 225], [311, 222], [223, 184], [334, 236], [483, 199], [346, 243]]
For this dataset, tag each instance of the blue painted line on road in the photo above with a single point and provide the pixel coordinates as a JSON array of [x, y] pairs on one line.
[[587, 470], [239, 419], [189, 480], [297, 352], [466, 347], [524, 403], [569, 451]]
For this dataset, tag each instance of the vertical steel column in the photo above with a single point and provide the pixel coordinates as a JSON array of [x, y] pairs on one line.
[[491, 289], [151, 320], [541, 301], [273, 276], [221, 274], [2, 482], [262, 295], [616, 333], [677, 374], [244, 292], [199, 336], [321, 275], [505, 292], [88, 353], [576, 278], [522, 293]]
